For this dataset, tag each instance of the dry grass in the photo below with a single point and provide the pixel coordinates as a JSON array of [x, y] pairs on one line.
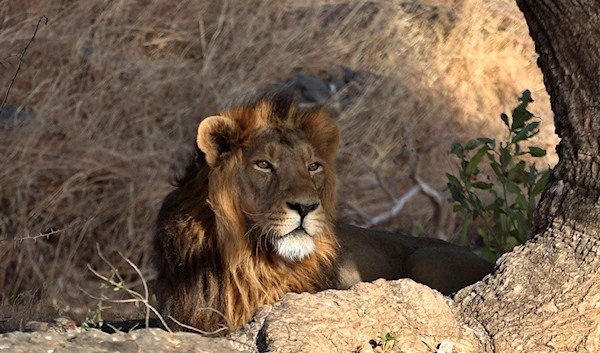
[[113, 89]]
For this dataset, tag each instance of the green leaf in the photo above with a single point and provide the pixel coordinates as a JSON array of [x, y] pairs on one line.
[[532, 175], [497, 171], [472, 144], [482, 185], [478, 205], [522, 178], [457, 208], [521, 201], [472, 165], [456, 193], [504, 118], [537, 152], [457, 149], [488, 141], [464, 229], [526, 97], [497, 205], [513, 188], [520, 114], [523, 134], [516, 171], [453, 180], [505, 157], [539, 186]]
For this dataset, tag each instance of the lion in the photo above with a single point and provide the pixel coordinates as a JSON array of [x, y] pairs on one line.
[[254, 217]]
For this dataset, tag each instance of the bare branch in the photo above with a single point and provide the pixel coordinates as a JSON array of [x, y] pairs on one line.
[[380, 181], [398, 205], [136, 297], [21, 56], [388, 186]]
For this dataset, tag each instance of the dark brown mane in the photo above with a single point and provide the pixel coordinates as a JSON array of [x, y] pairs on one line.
[[195, 162]]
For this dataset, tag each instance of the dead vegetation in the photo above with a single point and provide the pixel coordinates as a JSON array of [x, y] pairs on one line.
[[110, 93]]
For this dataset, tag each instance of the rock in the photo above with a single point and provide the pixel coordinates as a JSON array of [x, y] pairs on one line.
[[418, 318], [144, 340], [337, 87], [383, 316], [61, 324], [247, 335], [311, 88]]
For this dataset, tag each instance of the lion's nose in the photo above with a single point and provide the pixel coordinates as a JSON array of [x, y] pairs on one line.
[[303, 208]]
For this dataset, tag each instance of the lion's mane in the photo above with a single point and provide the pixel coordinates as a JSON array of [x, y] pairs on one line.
[[210, 276]]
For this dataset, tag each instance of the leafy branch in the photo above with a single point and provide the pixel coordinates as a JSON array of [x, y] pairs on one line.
[[508, 218]]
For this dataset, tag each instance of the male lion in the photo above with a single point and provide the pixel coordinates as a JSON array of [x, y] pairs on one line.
[[254, 218]]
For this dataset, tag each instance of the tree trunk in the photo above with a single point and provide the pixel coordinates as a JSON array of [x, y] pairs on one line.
[[545, 296]]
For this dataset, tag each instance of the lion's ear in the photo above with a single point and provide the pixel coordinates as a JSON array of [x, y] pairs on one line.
[[216, 135]]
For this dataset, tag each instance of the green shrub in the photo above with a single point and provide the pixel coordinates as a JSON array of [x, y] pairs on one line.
[[507, 219]]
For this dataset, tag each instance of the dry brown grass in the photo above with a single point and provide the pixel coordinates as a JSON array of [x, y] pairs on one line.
[[116, 88]]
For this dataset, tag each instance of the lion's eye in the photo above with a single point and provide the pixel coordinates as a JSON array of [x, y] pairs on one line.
[[264, 165], [314, 167]]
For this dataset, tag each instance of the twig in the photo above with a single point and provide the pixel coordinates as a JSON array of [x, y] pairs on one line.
[[41, 235], [136, 297], [21, 56], [192, 328]]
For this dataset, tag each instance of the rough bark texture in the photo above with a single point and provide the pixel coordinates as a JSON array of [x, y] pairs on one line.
[[544, 297]]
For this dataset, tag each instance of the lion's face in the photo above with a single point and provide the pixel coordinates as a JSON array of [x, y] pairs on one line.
[[283, 174], [281, 188]]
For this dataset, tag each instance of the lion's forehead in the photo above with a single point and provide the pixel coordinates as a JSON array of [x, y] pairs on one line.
[[281, 146]]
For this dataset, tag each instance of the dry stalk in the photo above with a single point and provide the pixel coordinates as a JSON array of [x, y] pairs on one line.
[[192, 328], [140, 298], [136, 297]]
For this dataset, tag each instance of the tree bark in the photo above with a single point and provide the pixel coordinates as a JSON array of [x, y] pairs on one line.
[[545, 296]]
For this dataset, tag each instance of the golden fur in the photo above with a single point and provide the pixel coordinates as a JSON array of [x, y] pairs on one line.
[[254, 218]]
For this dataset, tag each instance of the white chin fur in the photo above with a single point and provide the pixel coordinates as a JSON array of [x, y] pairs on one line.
[[295, 247]]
